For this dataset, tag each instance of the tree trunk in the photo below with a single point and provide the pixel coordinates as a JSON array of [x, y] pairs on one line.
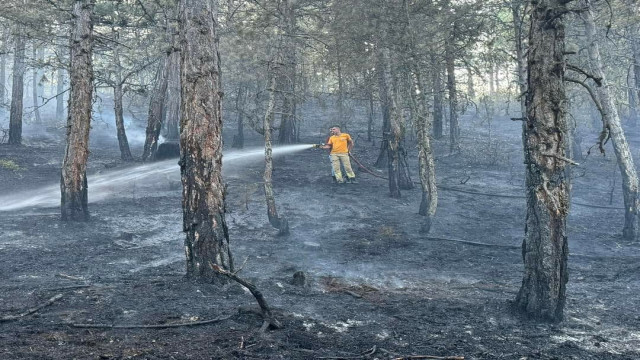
[[154, 122], [426, 161], [203, 200], [544, 249], [635, 44], [371, 113], [612, 122], [341, 120], [438, 108], [394, 133], [73, 183], [385, 106], [454, 127], [272, 212], [423, 126], [238, 138], [35, 73], [3, 69], [520, 60], [470, 87], [125, 152], [287, 131], [17, 89], [172, 111], [60, 95]]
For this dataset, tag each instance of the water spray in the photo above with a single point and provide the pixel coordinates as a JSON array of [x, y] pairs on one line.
[[110, 184]]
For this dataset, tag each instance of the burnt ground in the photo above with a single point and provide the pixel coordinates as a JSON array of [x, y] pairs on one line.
[[377, 288]]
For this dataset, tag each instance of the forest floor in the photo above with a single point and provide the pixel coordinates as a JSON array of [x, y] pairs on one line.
[[114, 287]]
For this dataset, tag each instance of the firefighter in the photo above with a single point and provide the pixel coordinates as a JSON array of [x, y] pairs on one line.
[[341, 145]]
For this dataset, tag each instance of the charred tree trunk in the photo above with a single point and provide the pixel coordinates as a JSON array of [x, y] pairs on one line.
[[371, 113], [17, 89], [341, 119], [60, 84], [3, 77], [454, 127], [172, 108], [635, 91], [395, 131], [544, 249], [520, 60], [238, 138], [73, 183], [612, 123], [426, 161], [60, 95], [423, 124], [385, 107], [438, 108], [36, 108], [154, 122], [203, 194], [287, 132], [470, 87], [277, 222], [3, 68], [118, 93]]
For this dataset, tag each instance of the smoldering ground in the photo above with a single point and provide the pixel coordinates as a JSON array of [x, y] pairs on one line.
[[376, 287]]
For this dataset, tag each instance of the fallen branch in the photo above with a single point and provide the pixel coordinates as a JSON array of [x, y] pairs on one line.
[[269, 320], [414, 357], [155, 326], [32, 310], [364, 355], [467, 242]]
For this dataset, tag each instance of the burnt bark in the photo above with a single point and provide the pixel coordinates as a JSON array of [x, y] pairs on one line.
[[35, 85], [287, 133], [73, 183], [118, 93], [154, 121], [544, 249], [172, 104], [238, 138], [394, 127], [17, 89], [3, 68], [203, 194], [438, 108], [272, 212], [423, 125], [612, 121], [60, 95], [454, 127], [636, 66]]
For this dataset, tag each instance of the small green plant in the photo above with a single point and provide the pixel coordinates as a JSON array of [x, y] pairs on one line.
[[10, 165]]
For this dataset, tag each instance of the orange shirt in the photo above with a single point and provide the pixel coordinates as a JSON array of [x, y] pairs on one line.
[[339, 143]]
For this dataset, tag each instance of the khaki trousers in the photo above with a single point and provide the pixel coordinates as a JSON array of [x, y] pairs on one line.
[[343, 158]]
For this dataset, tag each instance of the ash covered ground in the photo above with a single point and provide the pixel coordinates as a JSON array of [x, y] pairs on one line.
[[377, 288]]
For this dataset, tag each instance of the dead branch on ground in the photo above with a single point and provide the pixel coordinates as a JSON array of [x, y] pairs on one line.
[[32, 310], [154, 326], [269, 320]]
